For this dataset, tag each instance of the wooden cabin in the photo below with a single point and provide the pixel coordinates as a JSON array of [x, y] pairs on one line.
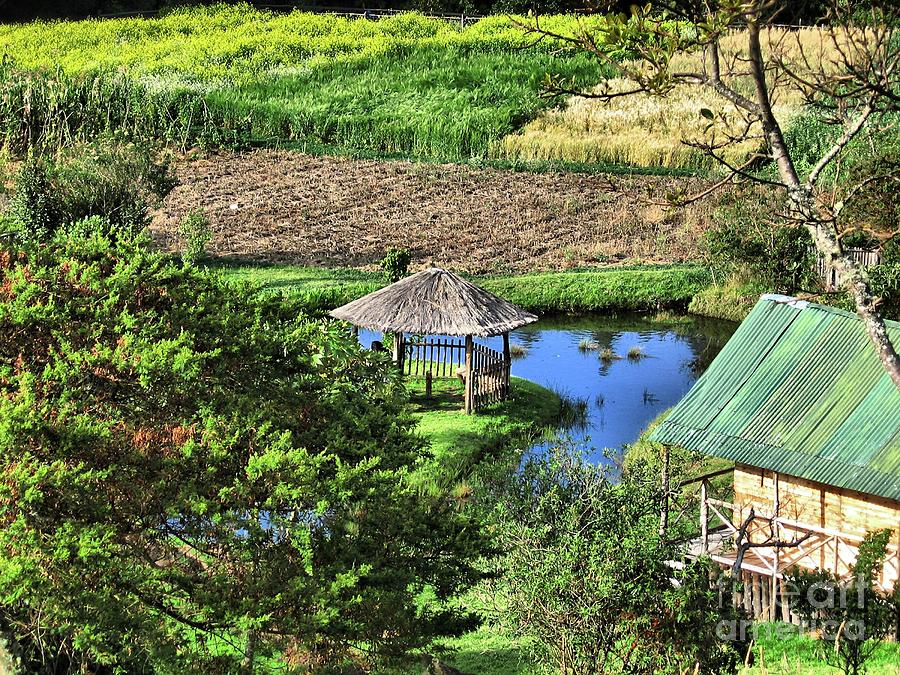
[[799, 401]]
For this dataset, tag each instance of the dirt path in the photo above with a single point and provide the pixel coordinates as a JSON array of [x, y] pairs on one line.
[[283, 206]]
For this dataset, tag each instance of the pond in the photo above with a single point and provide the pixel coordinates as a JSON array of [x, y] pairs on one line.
[[587, 358]]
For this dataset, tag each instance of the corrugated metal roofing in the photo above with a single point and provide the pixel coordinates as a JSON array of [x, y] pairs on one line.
[[799, 390]]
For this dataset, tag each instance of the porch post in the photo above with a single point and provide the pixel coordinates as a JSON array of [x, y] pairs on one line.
[[776, 557], [398, 350], [664, 501], [704, 518]]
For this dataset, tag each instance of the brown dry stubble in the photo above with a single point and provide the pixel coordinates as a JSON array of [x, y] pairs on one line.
[[330, 211]]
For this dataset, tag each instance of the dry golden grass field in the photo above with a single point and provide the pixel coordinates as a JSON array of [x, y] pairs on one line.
[[648, 131], [282, 206]]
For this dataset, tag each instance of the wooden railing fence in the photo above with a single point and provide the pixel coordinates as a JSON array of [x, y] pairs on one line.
[[489, 377], [441, 357], [763, 594], [486, 382], [831, 278]]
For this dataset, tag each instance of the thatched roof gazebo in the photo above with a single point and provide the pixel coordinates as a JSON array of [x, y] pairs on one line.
[[439, 303]]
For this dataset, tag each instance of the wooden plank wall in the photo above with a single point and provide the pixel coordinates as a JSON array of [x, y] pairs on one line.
[[814, 503]]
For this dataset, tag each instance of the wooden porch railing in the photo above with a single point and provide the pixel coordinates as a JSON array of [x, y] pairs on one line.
[[489, 379], [443, 358], [486, 381], [763, 567]]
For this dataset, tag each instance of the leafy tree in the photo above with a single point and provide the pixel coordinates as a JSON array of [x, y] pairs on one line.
[[853, 615], [850, 82], [118, 182], [586, 575], [395, 264], [196, 234], [193, 479], [34, 205]]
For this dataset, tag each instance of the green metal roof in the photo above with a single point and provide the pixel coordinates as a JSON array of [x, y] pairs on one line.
[[799, 390]]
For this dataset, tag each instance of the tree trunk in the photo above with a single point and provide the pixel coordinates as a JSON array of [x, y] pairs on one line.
[[802, 208], [248, 663], [855, 279]]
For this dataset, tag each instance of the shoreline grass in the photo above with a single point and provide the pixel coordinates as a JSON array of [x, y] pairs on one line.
[[637, 288], [731, 300]]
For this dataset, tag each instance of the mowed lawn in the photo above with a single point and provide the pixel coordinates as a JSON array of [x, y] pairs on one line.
[[645, 287]]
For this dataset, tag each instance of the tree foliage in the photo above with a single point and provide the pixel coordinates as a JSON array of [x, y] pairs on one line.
[[192, 477], [586, 575], [747, 236], [395, 264]]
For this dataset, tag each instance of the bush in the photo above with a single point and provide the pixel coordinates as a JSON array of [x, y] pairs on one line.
[[852, 616], [194, 230], [193, 475], [35, 205], [744, 239], [118, 182], [395, 264], [586, 576]]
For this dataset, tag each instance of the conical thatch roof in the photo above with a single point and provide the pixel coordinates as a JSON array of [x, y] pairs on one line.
[[434, 302]]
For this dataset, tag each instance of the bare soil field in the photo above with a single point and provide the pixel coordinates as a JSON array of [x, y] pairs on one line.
[[288, 207]]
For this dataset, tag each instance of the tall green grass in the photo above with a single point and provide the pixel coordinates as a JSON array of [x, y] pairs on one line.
[[50, 111], [434, 102], [223, 75]]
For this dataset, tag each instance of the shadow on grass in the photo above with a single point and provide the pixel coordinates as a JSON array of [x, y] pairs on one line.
[[445, 400]]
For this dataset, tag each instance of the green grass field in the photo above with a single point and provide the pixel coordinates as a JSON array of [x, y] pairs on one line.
[[406, 84], [488, 651]]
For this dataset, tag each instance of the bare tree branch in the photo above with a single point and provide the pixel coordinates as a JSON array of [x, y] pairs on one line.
[[848, 135]]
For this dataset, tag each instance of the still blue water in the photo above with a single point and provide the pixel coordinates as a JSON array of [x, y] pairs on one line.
[[623, 394]]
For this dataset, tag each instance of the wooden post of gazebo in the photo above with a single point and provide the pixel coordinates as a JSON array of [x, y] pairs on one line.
[[398, 351], [508, 361], [469, 377]]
